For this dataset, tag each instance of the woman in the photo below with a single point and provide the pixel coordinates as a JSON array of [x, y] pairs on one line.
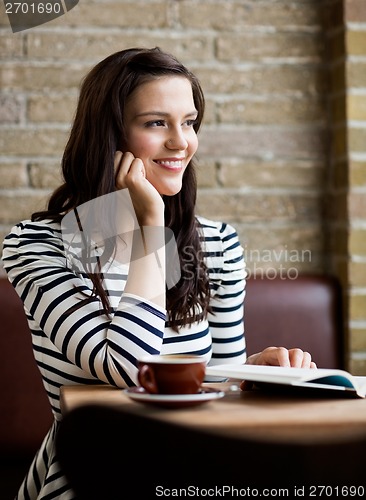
[[99, 299]]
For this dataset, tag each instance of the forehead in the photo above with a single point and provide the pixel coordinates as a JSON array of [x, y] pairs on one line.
[[160, 93]]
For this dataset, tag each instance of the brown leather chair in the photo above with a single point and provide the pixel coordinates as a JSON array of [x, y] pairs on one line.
[[25, 414], [305, 312]]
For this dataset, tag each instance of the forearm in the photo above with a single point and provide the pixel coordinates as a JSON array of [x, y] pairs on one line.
[[146, 276]]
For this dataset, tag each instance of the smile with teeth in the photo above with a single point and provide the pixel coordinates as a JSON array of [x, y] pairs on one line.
[[170, 163]]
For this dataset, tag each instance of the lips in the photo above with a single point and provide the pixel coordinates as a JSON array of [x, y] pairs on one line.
[[170, 164]]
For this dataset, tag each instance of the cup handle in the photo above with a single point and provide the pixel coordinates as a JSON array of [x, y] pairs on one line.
[[147, 379]]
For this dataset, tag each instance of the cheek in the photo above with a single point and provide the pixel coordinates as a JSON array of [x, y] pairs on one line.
[[142, 146], [193, 144]]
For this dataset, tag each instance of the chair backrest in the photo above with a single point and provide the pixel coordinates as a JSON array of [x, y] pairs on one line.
[[305, 312], [25, 413]]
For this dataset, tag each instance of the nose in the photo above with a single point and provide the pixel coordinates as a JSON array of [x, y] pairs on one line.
[[177, 141]]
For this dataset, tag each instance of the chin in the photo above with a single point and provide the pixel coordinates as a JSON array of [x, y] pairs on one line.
[[170, 190], [171, 193]]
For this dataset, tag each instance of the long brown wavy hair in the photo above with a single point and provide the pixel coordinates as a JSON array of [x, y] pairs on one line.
[[88, 169]]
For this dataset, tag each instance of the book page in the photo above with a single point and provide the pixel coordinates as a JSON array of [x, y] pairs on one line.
[[284, 375], [360, 383]]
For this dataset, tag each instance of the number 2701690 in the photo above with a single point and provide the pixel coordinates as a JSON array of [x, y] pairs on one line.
[[33, 8]]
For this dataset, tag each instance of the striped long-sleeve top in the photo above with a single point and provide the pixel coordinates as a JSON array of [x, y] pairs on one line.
[[82, 345]]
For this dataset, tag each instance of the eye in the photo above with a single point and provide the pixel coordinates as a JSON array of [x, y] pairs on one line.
[[191, 122], [155, 123]]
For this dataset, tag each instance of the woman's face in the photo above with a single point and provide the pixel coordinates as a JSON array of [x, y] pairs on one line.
[[159, 119]]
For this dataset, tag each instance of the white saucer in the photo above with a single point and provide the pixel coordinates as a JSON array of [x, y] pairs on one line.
[[173, 400]]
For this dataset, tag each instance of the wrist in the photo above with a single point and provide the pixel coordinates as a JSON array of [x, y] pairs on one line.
[[156, 220]]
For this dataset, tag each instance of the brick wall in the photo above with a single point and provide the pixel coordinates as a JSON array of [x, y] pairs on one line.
[[270, 153], [355, 127]]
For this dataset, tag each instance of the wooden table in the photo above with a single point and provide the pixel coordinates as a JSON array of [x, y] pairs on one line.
[[251, 414], [299, 445]]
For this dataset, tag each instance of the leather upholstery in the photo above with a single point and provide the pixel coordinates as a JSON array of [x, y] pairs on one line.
[[25, 414], [305, 312]]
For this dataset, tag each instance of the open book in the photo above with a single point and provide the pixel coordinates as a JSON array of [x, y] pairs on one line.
[[325, 381]]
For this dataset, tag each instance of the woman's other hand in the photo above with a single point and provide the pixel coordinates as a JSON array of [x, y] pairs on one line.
[[279, 356]]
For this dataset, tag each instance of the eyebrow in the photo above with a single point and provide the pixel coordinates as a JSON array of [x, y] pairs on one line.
[[161, 113]]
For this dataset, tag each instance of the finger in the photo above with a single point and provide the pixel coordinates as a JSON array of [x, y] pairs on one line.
[[299, 359], [275, 356], [136, 171], [306, 360], [122, 164], [117, 161], [138, 168], [283, 356]]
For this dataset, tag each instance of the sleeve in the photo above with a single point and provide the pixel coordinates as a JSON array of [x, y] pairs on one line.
[[228, 279], [105, 348]]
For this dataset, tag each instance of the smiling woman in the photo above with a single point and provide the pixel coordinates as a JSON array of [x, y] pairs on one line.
[[129, 190]]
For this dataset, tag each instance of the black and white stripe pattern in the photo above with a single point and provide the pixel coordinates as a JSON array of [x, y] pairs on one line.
[[83, 346]]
